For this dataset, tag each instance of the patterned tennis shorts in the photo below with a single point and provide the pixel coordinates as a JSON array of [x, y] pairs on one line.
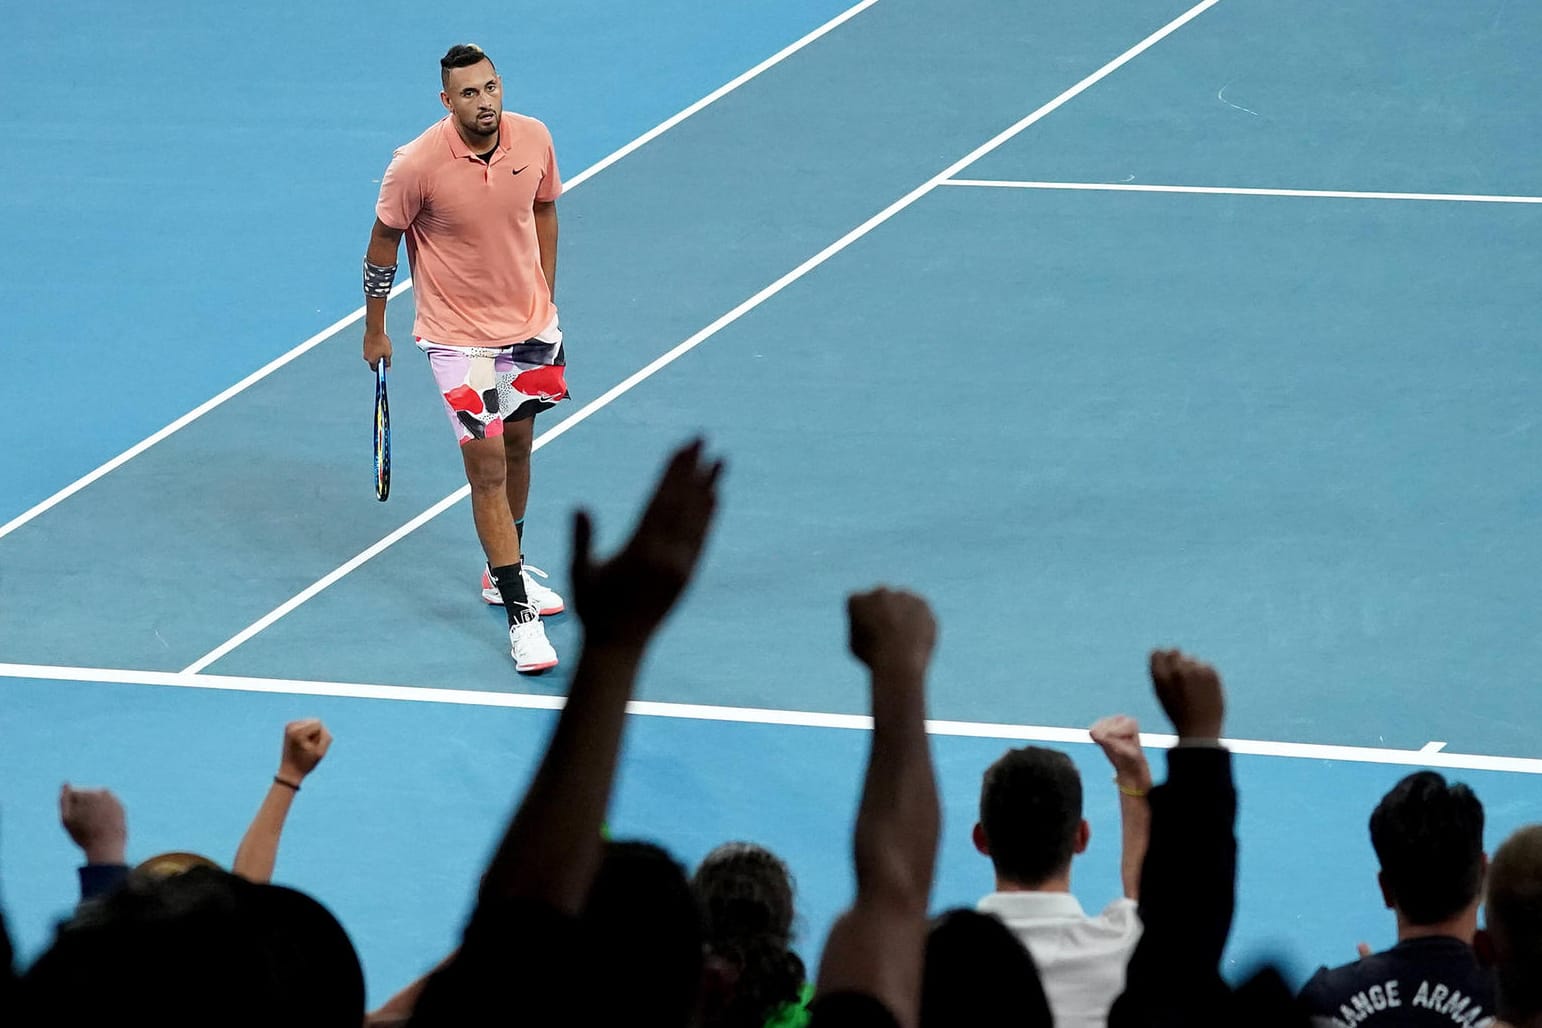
[[484, 386]]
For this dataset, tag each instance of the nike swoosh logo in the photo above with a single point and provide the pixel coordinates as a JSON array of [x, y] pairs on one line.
[[518, 170]]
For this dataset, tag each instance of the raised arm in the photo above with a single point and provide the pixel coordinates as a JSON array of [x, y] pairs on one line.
[[876, 948], [305, 743], [553, 845], [379, 276], [1188, 883], [95, 821], [520, 945], [1119, 738]]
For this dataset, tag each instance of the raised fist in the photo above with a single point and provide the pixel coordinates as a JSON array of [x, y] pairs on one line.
[[1190, 692], [1119, 738], [95, 820], [891, 627], [305, 743]]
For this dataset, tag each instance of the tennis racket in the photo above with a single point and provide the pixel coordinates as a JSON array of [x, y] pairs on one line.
[[382, 435]]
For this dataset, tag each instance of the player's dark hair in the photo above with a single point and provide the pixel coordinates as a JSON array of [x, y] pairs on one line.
[[462, 55], [1513, 909], [747, 893], [1428, 836], [1030, 808]]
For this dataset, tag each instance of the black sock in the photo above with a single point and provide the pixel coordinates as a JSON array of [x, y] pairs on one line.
[[512, 586]]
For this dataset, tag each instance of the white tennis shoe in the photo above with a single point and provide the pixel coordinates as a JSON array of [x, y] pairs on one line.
[[531, 650], [547, 601]]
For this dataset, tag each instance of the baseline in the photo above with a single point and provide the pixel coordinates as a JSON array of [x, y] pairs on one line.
[[1427, 756]]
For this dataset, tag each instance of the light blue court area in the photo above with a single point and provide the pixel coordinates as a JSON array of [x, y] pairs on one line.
[[1295, 434], [394, 828]]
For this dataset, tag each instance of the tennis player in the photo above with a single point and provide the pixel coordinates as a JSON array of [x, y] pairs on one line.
[[476, 196]]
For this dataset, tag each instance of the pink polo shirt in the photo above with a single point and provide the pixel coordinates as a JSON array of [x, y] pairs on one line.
[[470, 225]]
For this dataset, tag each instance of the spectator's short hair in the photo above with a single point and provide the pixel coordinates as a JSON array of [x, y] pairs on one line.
[[746, 893], [978, 973], [1428, 835], [643, 930], [198, 948], [1030, 808], [462, 55], [1513, 909]]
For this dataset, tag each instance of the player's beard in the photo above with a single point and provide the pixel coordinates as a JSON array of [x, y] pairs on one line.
[[485, 130]]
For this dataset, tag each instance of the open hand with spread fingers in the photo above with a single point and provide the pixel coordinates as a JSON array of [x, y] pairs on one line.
[[623, 600]]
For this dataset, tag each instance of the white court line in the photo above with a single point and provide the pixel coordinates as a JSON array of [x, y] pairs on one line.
[[721, 91], [1331, 194], [666, 359], [1425, 757], [405, 284]]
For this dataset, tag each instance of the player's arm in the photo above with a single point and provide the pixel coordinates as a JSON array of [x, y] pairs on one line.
[[379, 276], [546, 236]]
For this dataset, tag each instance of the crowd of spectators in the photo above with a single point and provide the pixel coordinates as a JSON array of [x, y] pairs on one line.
[[572, 928]]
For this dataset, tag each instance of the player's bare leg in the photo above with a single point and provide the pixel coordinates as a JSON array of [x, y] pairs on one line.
[[518, 438], [518, 441], [487, 474]]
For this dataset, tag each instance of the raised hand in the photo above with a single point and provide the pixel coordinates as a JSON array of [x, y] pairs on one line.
[[891, 628], [95, 820], [1190, 692], [305, 743], [1119, 739], [623, 600], [878, 946]]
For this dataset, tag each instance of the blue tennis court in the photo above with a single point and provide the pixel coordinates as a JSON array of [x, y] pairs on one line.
[[1158, 324]]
